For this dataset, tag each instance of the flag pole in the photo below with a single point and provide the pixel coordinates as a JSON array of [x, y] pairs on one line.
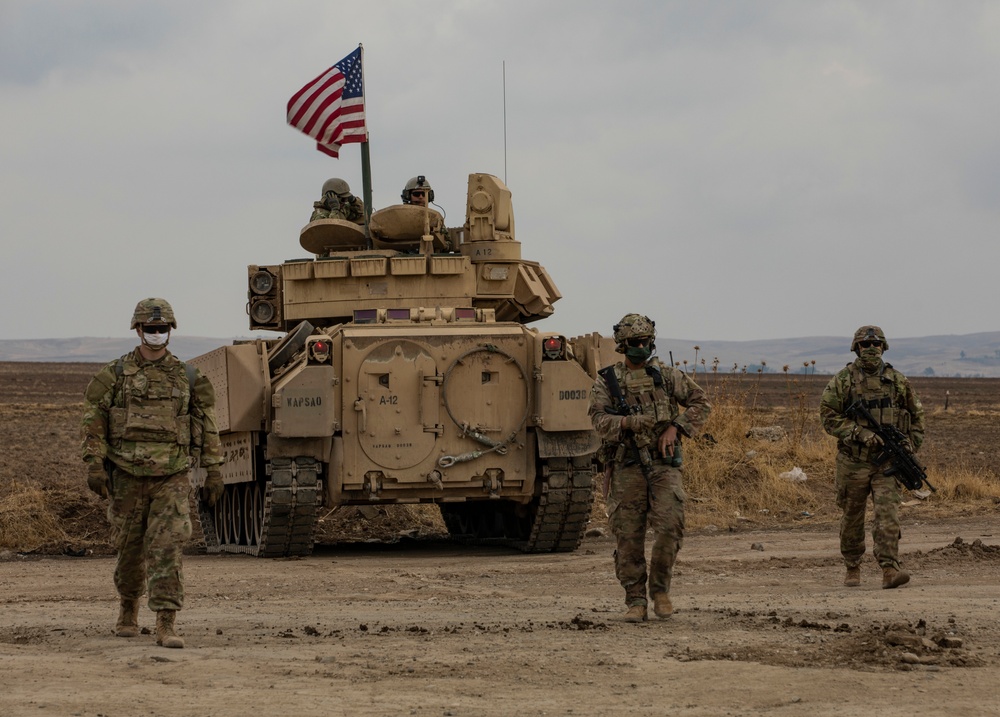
[[504, 68], [366, 163]]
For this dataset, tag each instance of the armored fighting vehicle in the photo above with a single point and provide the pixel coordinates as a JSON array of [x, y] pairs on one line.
[[407, 373]]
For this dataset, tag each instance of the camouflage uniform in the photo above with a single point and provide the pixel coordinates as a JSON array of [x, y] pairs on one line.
[[892, 401], [143, 420], [352, 211], [633, 502]]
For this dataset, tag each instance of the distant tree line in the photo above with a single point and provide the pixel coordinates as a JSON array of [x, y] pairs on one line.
[[985, 359]]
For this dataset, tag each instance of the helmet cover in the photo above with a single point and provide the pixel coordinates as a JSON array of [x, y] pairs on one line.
[[634, 326], [869, 333], [153, 311]]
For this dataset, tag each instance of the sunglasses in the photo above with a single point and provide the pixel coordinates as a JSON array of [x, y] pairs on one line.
[[155, 328], [869, 344], [638, 343], [416, 194]]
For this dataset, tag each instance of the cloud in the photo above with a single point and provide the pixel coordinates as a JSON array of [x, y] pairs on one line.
[[737, 170]]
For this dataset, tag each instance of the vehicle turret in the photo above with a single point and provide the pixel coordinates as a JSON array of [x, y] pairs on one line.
[[414, 263]]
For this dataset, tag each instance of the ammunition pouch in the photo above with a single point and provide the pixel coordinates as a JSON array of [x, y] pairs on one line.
[[674, 461], [858, 451], [609, 453], [629, 459], [648, 459], [854, 451]]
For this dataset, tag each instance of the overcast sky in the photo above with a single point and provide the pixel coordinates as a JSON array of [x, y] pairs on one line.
[[735, 170]]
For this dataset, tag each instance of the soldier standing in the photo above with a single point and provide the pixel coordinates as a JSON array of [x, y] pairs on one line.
[[148, 417], [891, 400], [642, 455], [338, 203]]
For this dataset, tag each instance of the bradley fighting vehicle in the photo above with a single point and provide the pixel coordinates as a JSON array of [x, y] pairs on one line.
[[407, 374]]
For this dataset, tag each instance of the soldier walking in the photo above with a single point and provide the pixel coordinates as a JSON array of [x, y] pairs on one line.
[[891, 400], [148, 418], [635, 406]]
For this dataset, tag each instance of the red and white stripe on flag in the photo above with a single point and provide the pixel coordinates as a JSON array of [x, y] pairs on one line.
[[331, 108]]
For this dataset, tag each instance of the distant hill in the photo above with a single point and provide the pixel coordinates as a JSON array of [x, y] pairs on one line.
[[952, 355], [97, 350], [972, 355]]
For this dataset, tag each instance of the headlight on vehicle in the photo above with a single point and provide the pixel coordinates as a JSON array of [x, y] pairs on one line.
[[261, 282], [262, 312]]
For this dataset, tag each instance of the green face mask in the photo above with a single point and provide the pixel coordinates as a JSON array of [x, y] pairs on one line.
[[871, 357], [638, 354]]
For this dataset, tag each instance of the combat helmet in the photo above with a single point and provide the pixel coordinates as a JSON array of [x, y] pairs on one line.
[[153, 311], [868, 333], [633, 326], [418, 182], [336, 185]]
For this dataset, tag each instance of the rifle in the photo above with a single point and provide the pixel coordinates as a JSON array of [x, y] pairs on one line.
[[621, 408], [902, 463]]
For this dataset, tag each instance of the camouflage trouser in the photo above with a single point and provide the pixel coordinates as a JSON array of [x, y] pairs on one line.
[[857, 480], [150, 522], [634, 505]]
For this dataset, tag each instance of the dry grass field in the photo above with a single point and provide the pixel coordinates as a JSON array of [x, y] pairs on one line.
[[734, 483], [762, 624], [739, 476]]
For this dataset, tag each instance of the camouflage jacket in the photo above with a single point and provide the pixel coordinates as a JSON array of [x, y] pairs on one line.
[[659, 391], [144, 417], [889, 397], [352, 211]]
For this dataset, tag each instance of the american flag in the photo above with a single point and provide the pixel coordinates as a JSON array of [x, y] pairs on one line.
[[331, 108]]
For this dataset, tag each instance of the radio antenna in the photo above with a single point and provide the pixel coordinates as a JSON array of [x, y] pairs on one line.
[[504, 67]]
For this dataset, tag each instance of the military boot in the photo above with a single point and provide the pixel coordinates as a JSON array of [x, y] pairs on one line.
[[128, 618], [165, 634], [893, 578], [853, 578], [635, 613], [662, 606]]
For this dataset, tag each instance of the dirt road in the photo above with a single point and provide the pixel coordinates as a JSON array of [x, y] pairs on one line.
[[438, 629]]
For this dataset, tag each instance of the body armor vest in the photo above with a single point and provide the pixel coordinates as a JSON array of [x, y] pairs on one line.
[[880, 395], [651, 389], [152, 406]]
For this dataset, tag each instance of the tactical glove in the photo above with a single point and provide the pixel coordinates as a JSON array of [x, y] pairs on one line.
[[637, 423], [214, 487], [97, 479], [867, 438]]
